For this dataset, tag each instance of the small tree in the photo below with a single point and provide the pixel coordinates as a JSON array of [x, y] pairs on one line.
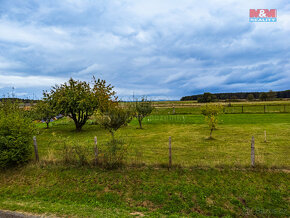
[[271, 95], [44, 111], [143, 109], [211, 112], [78, 100], [250, 97], [263, 96], [114, 118]]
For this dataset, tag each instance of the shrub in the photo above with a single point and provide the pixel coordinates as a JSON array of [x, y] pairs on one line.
[[15, 136]]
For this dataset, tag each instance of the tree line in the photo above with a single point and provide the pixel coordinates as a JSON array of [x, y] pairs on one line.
[[19, 100], [264, 96]]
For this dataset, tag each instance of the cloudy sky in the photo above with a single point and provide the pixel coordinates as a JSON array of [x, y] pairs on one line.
[[163, 49]]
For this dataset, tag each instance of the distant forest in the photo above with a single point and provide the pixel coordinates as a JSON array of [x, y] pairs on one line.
[[238, 95], [20, 100]]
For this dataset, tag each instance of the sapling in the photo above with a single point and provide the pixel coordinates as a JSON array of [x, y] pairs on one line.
[[143, 109], [211, 112]]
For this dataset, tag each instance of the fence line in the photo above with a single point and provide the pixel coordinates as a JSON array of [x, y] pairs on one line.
[[207, 156], [228, 109]]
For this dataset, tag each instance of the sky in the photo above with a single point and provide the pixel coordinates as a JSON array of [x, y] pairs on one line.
[[162, 49]]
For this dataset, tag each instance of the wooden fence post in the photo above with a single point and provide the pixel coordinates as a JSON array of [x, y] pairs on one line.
[[96, 150], [35, 149], [170, 160], [253, 152], [265, 134]]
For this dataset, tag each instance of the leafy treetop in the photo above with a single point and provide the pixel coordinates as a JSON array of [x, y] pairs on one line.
[[78, 100]]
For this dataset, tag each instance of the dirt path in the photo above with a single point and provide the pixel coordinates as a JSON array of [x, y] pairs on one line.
[[12, 214]]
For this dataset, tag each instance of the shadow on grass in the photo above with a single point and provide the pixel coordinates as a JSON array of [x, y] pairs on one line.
[[210, 139]]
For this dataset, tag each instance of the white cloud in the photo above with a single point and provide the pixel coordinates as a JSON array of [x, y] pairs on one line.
[[6, 64], [143, 37], [141, 91], [29, 81], [21, 94], [46, 37], [90, 69]]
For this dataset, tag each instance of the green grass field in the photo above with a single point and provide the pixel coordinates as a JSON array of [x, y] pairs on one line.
[[234, 103], [190, 144], [190, 107], [209, 177]]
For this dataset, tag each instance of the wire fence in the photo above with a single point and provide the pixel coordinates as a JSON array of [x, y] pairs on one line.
[[176, 151], [257, 109], [228, 109]]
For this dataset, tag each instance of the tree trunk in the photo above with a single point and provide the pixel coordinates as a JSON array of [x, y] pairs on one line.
[[78, 122], [211, 130], [140, 123], [47, 125], [78, 126]]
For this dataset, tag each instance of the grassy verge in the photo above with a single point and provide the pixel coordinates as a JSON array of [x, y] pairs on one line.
[[88, 192]]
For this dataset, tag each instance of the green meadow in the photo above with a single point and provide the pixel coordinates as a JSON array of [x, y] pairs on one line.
[[190, 144], [191, 107], [209, 177]]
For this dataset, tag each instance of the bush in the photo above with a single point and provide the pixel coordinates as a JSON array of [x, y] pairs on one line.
[[15, 136]]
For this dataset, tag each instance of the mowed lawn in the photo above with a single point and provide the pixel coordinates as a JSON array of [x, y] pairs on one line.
[[210, 177], [190, 144]]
